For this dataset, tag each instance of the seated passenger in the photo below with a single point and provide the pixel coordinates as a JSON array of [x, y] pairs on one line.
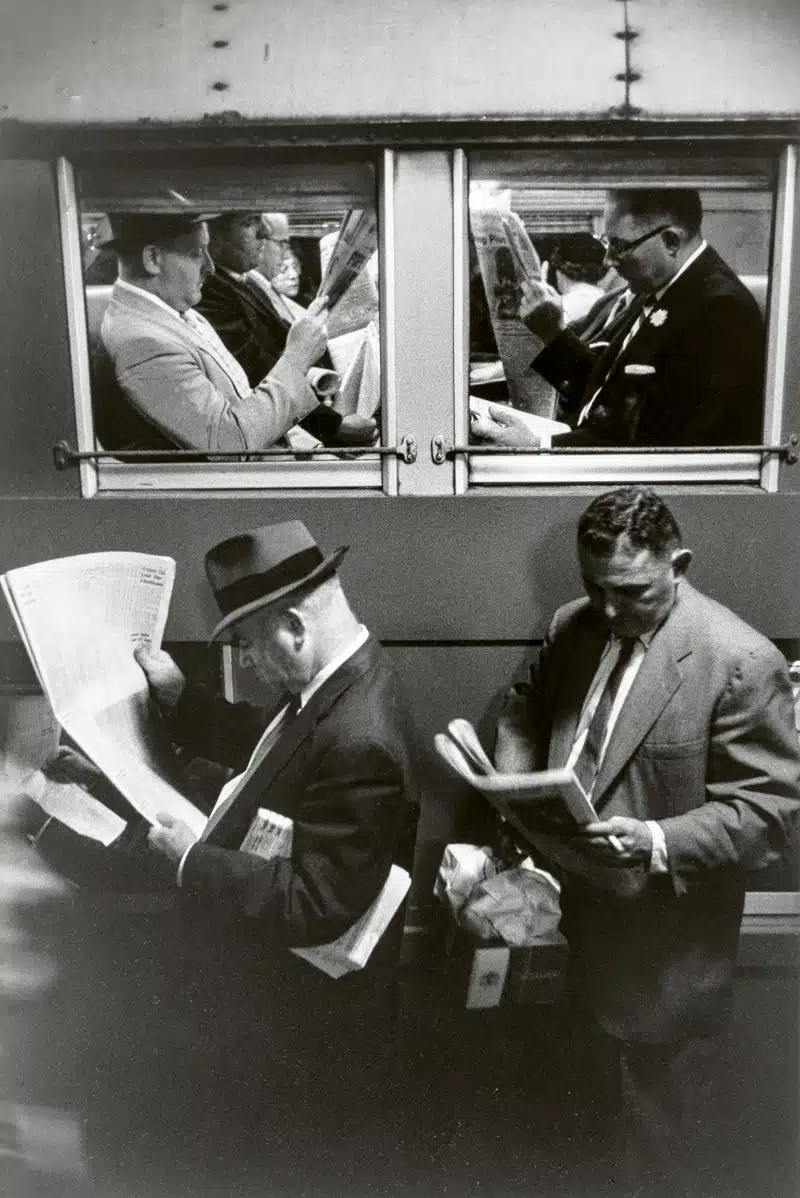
[[183, 387], [254, 324], [680, 360]]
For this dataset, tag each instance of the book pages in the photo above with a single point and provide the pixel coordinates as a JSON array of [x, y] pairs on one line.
[[543, 807], [80, 619]]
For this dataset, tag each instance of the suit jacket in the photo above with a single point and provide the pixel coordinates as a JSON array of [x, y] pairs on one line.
[[341, 771], [706, 745], [179, 387], [705, 340], [255, 332]]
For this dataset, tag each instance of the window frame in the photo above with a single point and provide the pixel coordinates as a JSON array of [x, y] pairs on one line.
[[475, 473], [289, 474]]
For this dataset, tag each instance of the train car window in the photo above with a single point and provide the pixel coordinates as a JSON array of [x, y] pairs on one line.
[[198, 313], [619, 301]]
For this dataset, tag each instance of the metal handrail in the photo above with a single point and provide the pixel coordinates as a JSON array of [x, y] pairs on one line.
[[441, 449], [64, 455]]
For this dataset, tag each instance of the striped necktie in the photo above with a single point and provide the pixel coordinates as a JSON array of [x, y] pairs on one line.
[[587, 765]]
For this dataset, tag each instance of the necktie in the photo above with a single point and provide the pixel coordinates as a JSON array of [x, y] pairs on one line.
[[587, 764], [262, 749], [619, 331]]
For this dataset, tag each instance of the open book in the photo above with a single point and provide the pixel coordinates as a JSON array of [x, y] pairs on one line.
[[80, 619], [270, 835], [545, 807]]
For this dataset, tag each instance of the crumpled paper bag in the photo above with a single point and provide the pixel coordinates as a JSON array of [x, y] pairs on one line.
[[519, 906]]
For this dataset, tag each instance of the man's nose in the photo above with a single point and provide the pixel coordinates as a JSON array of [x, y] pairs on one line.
[[208, 265]]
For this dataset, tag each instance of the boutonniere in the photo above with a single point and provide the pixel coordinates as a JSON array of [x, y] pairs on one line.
[[658, 317]]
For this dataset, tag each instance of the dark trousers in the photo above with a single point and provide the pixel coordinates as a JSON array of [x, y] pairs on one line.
[[647, 1114]]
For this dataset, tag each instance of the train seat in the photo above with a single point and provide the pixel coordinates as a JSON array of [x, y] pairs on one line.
[[758, 286]]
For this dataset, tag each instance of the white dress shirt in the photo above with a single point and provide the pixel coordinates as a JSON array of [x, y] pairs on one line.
[[659, 862], [273, 731]]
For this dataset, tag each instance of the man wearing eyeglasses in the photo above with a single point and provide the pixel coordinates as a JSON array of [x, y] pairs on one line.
[[679, 360]]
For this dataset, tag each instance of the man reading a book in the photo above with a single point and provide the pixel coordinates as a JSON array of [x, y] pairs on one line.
[[278, 1048], [677, 718]]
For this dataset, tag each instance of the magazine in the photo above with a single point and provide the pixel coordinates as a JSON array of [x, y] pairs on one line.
[[544, 807]]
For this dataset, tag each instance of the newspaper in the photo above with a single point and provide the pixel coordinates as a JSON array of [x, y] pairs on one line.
[[540, 426], [506, 258], [343, 263], [29, 735], [544, 807], [80, 619], [360, 392], [271, 835]]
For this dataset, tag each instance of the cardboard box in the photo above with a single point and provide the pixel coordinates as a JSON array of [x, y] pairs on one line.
[[482, 975]]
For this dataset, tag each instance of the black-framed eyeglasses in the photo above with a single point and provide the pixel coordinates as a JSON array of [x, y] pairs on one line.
[[619, 249]]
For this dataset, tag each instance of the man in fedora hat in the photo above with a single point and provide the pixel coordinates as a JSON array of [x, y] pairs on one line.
[[274, 1051], [177, 385]]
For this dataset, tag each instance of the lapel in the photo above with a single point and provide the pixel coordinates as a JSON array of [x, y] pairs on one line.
[[264, 788], [175, 328], [659, 676], [577, 674], [260, 300], [677, 305]]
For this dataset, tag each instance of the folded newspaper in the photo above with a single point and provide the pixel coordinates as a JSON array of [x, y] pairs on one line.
[[507, 258], [544, 807], [270, 835], [80, 619]]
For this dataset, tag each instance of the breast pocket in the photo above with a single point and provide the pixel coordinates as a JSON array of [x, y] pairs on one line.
[[673, 775]]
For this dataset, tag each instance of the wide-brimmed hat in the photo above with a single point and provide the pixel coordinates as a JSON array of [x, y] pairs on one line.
[[260, 567], [164, 214]]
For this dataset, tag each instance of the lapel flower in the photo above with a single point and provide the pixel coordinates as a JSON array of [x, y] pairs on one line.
[[658, 317]]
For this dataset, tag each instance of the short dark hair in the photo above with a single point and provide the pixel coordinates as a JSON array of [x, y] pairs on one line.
[[633, 512], [680, 206]]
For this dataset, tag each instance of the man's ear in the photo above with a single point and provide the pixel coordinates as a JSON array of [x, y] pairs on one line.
[[297, 625], [672, 240], [681, 559], [151, 260]]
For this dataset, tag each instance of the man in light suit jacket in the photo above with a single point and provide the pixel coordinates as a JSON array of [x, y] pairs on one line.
[[695, 780], [682, 363], [180, 386], [279, 1050], [247, 320]]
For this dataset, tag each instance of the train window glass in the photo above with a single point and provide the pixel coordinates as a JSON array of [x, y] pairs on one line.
[[622, 353], [200, 335]]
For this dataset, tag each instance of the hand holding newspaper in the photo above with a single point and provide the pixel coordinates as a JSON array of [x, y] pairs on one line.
[[544, 807], [271, 835], [80, 618]]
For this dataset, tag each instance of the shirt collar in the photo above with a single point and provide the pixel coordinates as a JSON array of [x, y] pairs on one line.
[[332, 666], [692, 258], [124, 285]]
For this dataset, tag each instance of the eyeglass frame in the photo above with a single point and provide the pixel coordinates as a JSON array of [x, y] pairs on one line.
[[629, 246]]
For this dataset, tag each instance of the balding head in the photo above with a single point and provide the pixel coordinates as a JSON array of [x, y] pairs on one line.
[[277, 244]]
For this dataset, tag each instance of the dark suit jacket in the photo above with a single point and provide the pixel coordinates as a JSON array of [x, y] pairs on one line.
[[255, 333], [708, 351], [342, 772], [706, 745]]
